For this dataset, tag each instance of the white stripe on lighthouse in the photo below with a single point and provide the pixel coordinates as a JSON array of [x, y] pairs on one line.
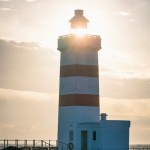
[[79, 57], [78, 114], [80, 85]]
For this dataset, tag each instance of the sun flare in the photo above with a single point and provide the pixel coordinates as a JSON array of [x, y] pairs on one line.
[[79, 31]]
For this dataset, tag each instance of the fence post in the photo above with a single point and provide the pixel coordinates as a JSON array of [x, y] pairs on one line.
[[33, 143], [41, 143], [7, 143], [49, 144], [16, 143], [4, 143], [25, 143]]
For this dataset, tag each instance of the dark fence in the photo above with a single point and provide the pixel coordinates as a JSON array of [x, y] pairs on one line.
[[32, 144], [53, 145]]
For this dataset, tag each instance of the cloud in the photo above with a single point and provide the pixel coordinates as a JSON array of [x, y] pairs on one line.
[[29, 1], [121, 13], [5, 0], [123, 75], [6, 94], [7, 9], [124, 62], [132, 88], [28, 67]]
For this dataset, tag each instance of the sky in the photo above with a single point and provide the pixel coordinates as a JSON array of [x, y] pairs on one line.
[[29, 63]]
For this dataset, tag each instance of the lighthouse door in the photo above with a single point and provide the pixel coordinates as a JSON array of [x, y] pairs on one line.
[[84, 140]]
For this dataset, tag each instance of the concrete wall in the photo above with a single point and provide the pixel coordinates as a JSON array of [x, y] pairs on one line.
[[110, 134], [115, 135], [70, 117]]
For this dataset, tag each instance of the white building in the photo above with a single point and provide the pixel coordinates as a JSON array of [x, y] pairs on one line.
[[79, 124]]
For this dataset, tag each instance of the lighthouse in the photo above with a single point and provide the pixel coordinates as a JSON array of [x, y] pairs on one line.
[[79, 123]]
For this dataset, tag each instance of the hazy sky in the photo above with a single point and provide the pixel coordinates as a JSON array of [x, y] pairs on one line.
[[29, 63]]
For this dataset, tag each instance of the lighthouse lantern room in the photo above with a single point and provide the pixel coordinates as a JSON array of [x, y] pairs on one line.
[[79, 124]]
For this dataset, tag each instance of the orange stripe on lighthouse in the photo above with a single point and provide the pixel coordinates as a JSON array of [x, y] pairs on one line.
[[79, 100], [78, 70]]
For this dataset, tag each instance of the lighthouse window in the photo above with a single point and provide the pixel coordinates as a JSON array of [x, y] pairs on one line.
[[94, 135], [71, 135]]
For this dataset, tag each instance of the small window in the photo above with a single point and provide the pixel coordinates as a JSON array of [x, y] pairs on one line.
[[71, 135], [94, 135]]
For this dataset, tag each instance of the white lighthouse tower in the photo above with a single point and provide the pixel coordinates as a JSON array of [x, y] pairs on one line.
[[78, 122]]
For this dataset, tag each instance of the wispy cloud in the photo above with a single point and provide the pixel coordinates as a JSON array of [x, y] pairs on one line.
[[133, 88], [7, 9], [29, 1], [123, 64], [121, 13], [5, 0], [28, 95]]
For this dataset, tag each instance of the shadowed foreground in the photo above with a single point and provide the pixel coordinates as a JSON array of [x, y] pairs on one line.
[[12, 148]]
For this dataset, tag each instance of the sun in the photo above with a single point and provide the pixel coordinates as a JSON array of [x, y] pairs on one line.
[[79, 31]]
